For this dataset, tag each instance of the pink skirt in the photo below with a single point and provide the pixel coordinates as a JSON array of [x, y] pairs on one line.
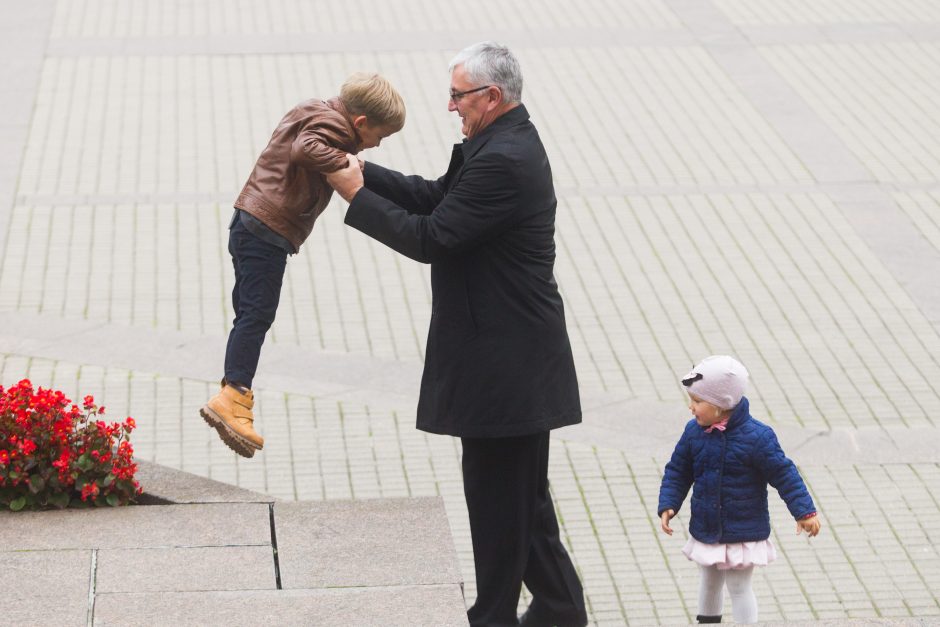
[[730, 556]]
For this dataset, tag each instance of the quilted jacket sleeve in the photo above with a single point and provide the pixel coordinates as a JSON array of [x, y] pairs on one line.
[[782, 474], [678, 476]]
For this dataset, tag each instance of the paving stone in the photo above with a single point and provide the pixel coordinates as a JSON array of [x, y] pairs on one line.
[[185, 569], [404, 606], [370, 542], [780, 156], [27, 573], [164, 484], [219, 524], [45, 587], [47, 610]]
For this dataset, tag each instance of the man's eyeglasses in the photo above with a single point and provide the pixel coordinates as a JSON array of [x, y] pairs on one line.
[[455, 96]]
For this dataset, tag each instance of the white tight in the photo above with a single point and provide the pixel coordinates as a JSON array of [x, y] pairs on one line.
[[743, 601]]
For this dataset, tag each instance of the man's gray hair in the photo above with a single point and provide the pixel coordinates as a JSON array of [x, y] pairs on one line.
[[490, 63]]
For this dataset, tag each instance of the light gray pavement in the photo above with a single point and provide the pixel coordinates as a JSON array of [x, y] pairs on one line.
[[212, 554], [756, 177]]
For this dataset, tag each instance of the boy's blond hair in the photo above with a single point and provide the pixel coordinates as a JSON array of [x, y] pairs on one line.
[[374, 97]]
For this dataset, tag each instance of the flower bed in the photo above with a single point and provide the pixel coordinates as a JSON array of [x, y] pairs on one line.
[[56, 454]]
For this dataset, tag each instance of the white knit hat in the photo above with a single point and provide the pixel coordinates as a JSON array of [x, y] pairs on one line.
[[719, 380]]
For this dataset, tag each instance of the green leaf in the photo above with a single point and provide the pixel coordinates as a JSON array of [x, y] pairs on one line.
[[59, 499], [36, 484], [84, 462], [108, 480], [125, 485], [113, 500], [14, 475], [18, 504]]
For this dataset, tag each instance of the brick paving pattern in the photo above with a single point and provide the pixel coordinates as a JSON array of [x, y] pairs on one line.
[[734, 176]]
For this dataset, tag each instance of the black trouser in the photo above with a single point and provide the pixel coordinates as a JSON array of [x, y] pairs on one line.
[[515, 534], [259, 271]]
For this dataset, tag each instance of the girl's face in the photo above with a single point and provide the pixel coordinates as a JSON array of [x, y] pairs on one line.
[[705, 413]]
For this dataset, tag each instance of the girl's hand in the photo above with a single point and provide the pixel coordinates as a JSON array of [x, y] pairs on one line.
[[664, 520], [809, 525]]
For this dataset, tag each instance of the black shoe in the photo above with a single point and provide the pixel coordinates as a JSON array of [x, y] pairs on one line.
[[708, 619], [528, 619]]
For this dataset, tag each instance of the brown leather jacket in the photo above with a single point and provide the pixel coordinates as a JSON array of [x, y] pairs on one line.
[[286, 189]]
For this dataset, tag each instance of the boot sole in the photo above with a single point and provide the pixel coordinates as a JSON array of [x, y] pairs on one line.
[[231, 439]]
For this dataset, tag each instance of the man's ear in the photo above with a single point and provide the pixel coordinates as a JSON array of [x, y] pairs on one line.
[[495, 100], [358, 121]]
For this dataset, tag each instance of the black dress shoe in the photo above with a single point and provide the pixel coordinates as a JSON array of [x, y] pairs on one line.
[[528, 619]]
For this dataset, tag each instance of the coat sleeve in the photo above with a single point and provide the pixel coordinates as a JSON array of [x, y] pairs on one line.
[[781, 473], [678, 476], [315, 149], [414, 194], [482, 205]]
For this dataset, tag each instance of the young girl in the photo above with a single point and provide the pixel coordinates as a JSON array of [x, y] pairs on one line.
[[730, 458]]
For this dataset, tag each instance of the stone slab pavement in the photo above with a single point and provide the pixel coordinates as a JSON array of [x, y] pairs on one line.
[[234, 557], [754, 177]]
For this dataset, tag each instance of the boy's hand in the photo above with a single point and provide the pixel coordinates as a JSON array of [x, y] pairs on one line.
[[809, 525], [348, 181], [664, 520]]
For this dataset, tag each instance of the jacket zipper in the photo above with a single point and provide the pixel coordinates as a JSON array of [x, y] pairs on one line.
[[721, 473]]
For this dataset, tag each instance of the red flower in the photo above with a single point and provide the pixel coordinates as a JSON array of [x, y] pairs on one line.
[[42, 433], [90, 489], [63, 462]]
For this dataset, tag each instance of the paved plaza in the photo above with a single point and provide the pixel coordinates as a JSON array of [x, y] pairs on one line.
[[752, 177]]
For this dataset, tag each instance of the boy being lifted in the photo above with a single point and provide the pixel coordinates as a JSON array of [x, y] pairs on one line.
[[274, 214]]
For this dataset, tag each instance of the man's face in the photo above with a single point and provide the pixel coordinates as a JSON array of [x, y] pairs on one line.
[[475, 108]]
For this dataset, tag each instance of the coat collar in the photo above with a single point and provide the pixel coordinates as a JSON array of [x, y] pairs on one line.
[[516, 115], [741, 413]]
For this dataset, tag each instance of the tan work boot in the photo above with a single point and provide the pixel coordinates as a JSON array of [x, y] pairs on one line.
[[230, 413]]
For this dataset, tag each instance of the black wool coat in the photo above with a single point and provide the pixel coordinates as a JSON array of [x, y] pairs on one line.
[[498, 360]]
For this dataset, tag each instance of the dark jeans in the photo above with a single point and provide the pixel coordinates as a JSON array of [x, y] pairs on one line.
[[259, 271], [515, 534]]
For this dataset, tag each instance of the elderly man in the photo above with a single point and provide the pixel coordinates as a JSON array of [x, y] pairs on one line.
[[498, 371]]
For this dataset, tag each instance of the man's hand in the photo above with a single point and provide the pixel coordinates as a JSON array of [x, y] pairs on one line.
[[348, 181]]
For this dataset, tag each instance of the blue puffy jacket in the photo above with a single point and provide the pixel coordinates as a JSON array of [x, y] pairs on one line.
[[730, 471]]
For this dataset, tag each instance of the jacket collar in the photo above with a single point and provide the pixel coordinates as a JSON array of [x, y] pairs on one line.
[[337, 105], [741, 413], [516, 115]]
